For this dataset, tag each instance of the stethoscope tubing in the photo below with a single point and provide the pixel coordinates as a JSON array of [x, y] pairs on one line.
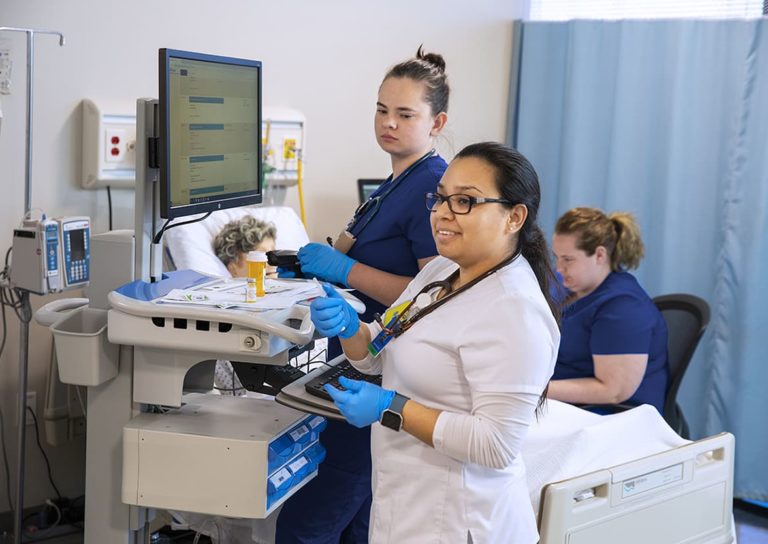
[[363, 210]]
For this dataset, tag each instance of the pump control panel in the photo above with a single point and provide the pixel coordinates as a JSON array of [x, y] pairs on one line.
[[51, 255]]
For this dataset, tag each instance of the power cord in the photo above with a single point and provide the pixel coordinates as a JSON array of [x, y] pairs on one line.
[[167, 226], [109, 201], [65, 510], [12, 297], [36, 532], [40, 446], [5, 461], [8, 297]]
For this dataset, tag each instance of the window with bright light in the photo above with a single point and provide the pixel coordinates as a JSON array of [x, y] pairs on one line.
[[562, 10]]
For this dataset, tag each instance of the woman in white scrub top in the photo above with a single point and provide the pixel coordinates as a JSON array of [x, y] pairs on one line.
[[465, 355]]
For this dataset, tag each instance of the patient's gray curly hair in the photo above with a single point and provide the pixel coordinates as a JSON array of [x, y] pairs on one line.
[[241, 236]]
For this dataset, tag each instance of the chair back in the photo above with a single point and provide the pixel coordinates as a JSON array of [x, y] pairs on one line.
[[687, 317]]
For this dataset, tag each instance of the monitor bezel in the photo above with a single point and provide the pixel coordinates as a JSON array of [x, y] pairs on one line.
[[164, 131], [363, 182]]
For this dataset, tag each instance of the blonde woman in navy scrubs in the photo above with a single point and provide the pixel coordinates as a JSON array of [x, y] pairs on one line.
[[614, 339], [392, 242]]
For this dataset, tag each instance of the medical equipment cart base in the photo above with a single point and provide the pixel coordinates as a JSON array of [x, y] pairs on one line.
[[134, 456], [220, 455]]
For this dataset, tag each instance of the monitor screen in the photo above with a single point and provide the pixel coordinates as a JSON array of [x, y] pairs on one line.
[[77, 244], [366, 187], [210, 133]]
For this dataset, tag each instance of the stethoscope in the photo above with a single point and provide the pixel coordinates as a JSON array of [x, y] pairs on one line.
[[368, 209], [423, 303]]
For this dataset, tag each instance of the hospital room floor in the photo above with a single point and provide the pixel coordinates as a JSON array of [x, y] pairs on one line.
[[751, 528], [185, 537]]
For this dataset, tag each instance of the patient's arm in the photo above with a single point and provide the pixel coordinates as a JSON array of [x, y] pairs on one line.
[[617, 377], [379, 285]]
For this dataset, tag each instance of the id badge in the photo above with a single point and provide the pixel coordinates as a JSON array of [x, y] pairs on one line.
[[393, 312], [344, 242], [377, 345], [389, 321]]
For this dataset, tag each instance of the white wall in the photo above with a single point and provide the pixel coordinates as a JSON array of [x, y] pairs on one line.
[[323, 57]]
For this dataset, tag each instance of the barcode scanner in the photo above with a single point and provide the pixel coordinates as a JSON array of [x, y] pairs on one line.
[[286, 259]]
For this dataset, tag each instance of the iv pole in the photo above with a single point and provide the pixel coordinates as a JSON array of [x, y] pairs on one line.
[[26, 309]]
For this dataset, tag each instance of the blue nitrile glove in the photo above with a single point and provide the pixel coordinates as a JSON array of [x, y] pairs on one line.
[[283, 272], [333, 316], [362, 403], [326, 263]]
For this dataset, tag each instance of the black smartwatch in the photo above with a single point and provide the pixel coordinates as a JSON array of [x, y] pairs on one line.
[[392, 417]]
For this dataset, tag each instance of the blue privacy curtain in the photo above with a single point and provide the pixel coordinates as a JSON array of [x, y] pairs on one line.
[[669, 120]]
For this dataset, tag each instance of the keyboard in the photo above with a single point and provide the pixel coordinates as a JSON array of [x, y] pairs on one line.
[[331, 376]]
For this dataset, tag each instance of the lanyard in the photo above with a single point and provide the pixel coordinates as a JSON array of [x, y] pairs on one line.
[[402, 322], [373, 204]]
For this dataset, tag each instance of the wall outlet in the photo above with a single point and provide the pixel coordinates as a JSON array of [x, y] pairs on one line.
[[31, 403], [109, 145], [120, 145]]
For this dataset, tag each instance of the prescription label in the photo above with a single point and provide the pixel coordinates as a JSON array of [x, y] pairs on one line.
[[280, 477], [652, 480], [316, 421], [297, 434], [298, 464]]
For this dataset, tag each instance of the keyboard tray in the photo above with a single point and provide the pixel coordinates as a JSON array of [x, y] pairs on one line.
[[331, 376]]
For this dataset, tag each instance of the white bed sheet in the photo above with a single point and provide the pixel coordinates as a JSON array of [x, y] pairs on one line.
[[567, 441]]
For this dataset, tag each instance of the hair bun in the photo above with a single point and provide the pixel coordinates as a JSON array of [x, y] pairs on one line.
[[434, 59]]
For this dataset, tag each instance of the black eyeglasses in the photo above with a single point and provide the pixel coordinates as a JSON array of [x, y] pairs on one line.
[[458, 203]]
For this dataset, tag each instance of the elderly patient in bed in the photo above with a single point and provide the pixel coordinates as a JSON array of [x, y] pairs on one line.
[[232, 245], [241, 236]]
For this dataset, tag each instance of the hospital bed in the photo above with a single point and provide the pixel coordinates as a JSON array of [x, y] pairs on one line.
[[627, 478], [592, 479]]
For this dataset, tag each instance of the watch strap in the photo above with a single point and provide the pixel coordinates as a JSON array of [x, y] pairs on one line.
[[392, 417], [398, 403]]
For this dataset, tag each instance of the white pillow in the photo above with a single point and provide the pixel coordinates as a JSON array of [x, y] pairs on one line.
[[191, 246]]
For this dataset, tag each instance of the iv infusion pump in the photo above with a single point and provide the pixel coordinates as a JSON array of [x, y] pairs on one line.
[[51, 255]]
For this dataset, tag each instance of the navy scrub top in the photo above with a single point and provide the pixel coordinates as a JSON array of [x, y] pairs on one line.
[[617, 318], [400, 233]]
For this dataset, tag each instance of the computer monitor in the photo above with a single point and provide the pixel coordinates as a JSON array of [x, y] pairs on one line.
[[210, 133], [366, 187]]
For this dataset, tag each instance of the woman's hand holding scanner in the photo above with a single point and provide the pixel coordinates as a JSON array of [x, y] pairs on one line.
[[333, 316], [286, 261], [289, 272], [326, 263], [361, 403]]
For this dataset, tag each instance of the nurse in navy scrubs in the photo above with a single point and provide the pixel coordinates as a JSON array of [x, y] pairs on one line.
[[613, 347], [386, 243]]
